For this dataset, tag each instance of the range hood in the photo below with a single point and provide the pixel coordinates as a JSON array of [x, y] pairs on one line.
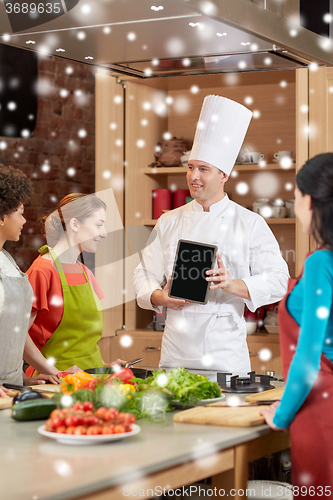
[[173, 37]]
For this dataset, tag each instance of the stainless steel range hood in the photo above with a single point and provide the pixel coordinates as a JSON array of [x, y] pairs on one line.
[[174, 37]]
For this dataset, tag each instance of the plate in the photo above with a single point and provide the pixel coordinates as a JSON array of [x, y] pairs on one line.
[[86, 440], [202, 402]]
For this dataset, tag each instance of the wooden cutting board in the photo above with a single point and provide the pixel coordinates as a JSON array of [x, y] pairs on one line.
[[266, 395], [229, 416], [7, 402]]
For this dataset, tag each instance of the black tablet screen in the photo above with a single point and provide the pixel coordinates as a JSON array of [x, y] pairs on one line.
[[191, 263]]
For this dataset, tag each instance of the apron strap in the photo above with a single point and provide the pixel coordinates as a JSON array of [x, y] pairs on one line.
[[58, 264]]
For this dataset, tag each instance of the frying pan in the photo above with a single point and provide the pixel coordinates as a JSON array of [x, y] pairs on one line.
[[137, 372]]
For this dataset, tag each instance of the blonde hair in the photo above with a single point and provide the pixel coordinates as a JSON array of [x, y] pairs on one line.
[[75, 205]]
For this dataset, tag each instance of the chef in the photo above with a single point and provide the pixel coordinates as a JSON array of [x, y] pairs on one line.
[[249, 270]]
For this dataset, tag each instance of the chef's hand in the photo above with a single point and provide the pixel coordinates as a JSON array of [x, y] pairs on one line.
[[4, 392], [221, 278], [269, 413], [40, 379], [118, 362], [161, 298]]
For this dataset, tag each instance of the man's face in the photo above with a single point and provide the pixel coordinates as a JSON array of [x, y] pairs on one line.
[[205, 182]]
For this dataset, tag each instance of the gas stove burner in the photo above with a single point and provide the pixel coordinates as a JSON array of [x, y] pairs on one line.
[[255, 382]]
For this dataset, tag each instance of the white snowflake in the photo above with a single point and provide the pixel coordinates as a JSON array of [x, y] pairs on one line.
[[126, 340], [322, 312], [242, 188]]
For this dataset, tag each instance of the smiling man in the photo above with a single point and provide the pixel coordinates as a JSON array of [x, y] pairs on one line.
[[249, 268]]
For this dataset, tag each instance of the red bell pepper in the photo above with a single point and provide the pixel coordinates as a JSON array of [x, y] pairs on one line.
[[124, 375]]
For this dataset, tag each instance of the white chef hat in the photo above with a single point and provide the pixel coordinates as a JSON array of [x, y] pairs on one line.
[[220, 132]]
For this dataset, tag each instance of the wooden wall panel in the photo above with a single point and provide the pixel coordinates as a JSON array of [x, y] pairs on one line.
[[142, 103], [109, 174]]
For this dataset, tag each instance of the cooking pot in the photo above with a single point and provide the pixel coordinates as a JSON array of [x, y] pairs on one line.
[[137, 372]]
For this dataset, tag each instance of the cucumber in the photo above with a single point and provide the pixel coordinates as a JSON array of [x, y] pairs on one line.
[[34, 409]]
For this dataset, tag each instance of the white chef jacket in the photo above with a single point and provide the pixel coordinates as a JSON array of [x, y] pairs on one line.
[[212, 336]]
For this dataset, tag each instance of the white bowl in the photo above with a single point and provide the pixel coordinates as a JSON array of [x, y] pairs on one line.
[[272, 329], [251, 327]]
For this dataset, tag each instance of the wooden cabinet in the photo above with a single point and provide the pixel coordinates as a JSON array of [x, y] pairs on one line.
[[131, 344], [264, 350], [153, 107]]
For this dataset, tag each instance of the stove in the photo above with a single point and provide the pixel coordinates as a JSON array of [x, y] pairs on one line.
[[255, 382]]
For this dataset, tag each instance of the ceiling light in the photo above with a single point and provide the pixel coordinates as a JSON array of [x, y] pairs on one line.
[[156, 9], [221, 34], [107, 30], [89, 57], [30, 41], [81, 35], [60, 50], [194, 25], [245, 43]]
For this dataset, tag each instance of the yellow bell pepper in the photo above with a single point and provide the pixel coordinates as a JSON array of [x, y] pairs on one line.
[[126, 388]]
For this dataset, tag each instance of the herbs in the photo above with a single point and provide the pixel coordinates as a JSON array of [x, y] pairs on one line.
[[188, 388]]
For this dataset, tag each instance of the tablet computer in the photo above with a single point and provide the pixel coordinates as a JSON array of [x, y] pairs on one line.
[[188, 280]]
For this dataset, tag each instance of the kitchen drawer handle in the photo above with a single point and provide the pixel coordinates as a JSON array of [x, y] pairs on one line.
[[253, 353], [149, 348]]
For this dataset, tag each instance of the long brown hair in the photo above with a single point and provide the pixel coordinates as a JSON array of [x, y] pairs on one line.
[[75, 205]]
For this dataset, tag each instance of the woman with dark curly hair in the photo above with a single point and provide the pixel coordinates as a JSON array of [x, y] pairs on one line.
[[306, 339], [15, 290]]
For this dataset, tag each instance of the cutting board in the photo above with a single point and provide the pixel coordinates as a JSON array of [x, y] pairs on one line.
[[266, 395], [7, 402], [229, 416]]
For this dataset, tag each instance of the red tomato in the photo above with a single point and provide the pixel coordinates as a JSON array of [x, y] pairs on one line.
[[48, 425], [126, 418], [71, 420], [70, 430], [88, 406], [56, 422], [93, 420], [61, 430], [119, 429], [77, 406], [56, 413], [100, 413], [107, 429], [80, 430], [94, 430], [111, 414]]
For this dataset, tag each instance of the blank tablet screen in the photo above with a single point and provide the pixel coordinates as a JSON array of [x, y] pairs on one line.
[[188, 278]]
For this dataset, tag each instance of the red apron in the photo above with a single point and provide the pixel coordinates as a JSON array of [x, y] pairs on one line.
[[311, 432]]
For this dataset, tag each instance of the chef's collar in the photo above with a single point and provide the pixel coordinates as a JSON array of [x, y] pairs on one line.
[[216, 207]]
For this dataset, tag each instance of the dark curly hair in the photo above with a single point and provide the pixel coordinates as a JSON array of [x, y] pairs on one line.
[[15, 189], [316, 179]]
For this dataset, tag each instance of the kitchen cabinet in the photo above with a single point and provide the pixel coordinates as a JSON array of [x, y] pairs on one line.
[[131, 344], [264, 350], [153, 107]]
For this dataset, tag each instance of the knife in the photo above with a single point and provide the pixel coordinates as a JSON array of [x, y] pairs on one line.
[[25, 387]]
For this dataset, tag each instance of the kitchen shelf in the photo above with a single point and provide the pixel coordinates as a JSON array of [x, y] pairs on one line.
[[237, 168], [152, 222]]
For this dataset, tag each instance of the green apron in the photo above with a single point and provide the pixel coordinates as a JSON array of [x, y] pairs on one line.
[[75, 340]]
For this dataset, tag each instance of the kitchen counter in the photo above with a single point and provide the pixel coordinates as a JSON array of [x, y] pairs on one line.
[[34, 467]]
